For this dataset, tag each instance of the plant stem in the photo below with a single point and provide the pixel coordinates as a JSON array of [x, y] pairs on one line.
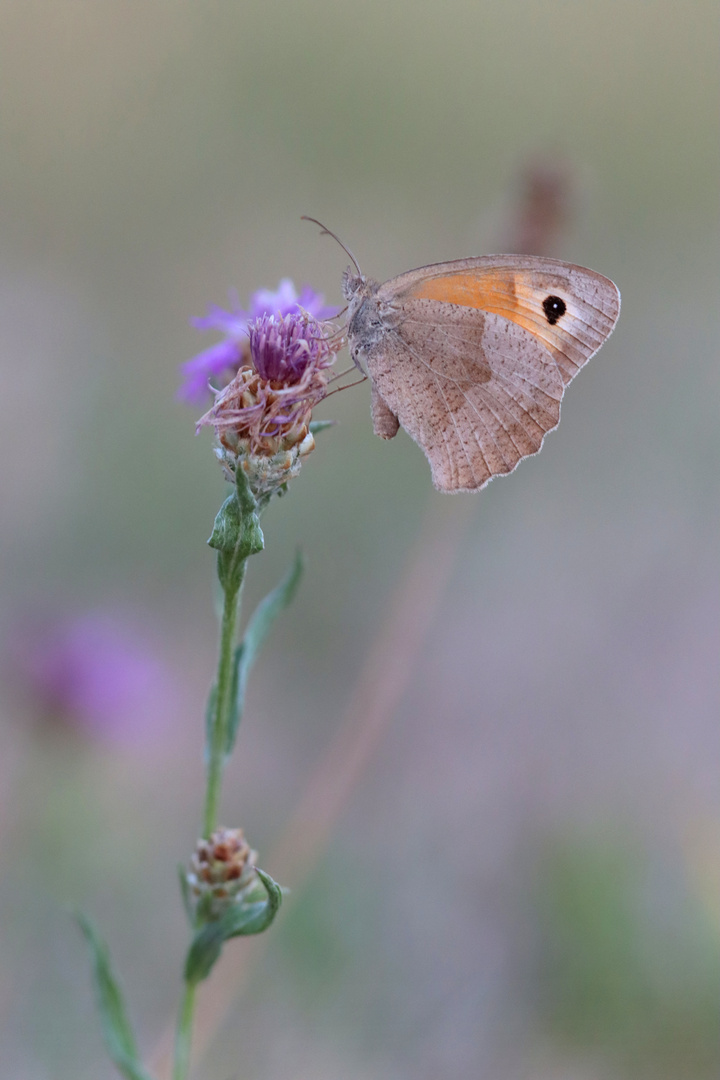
[[183, 1034], [216, 760], [223, 706]]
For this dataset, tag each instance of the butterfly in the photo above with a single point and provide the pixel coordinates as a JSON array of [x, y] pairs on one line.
[[472, 357]]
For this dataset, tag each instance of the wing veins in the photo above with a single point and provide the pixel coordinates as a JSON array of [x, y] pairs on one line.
[[437, 377], [495, 373]]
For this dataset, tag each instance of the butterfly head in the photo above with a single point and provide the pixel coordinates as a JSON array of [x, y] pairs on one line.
[[353, 284]]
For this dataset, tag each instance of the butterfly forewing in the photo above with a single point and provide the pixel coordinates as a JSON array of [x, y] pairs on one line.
[[571, 310]]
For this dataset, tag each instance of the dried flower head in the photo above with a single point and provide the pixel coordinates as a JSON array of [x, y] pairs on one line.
[[221, 869], [262, 417], [221, 361]]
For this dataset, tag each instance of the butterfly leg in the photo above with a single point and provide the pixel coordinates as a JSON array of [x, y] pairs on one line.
[[385, 422]]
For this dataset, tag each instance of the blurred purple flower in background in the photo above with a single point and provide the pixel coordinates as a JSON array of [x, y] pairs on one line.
[[222, 361], [97, 673]]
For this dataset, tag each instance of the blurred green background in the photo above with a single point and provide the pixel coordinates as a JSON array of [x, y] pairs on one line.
[[524, 879]]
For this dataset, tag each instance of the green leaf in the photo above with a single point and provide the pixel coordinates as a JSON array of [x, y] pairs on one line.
[[208, 942], [320, 425], [274, 900], [240, 920], [255, 636], [236, 534], [117, 1033]]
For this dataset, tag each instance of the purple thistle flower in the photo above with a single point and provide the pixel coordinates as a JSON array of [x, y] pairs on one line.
[[269, 402], [282, 348], [222, 361], [262, 417]]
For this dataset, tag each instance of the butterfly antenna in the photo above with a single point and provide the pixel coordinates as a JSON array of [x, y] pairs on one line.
[[328, 232]]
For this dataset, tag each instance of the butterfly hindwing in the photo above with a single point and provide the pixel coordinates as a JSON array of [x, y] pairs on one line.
[[474, 396]]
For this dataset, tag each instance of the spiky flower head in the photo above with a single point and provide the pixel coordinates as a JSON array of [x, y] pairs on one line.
[[262, 417], [221, 869], [221, 362]]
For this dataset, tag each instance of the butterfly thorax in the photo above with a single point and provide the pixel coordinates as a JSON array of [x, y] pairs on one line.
[[354, 284], [366, 324]]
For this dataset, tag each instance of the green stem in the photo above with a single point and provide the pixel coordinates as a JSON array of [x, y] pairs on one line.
[[223, 705], [183, 1035], [216, 761]]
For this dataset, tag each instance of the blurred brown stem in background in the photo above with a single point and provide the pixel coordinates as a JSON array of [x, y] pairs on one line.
[[376, 694], [542, 209]]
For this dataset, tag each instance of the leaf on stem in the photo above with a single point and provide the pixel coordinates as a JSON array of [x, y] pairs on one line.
[[236, 534], [117, 1033], [274, 900], [256, 634], [240, 920]]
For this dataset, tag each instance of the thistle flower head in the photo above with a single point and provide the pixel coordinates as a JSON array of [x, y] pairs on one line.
[[221, 361], [262, 417], [221, 869]]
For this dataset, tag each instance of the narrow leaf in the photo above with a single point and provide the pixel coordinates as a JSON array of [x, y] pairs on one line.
[[117, 1033], [263, 919], [208, 942], [240, 920], [320, 425], [255, 636]]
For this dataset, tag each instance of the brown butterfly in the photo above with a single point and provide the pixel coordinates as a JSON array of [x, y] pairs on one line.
[[472, 357]]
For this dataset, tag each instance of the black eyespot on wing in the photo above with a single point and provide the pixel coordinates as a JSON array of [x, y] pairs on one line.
[[554, 308]]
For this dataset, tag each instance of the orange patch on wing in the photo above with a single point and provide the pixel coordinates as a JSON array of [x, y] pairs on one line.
[[467, 289], [502, 291]]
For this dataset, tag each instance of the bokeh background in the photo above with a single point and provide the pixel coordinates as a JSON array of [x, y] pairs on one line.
[[518, 873]]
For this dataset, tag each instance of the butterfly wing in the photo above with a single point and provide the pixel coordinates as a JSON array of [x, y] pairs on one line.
[[475, 398], [476, 355], [571, 310]]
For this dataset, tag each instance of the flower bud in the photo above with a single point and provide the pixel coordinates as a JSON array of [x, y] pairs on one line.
[[222, 868]]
